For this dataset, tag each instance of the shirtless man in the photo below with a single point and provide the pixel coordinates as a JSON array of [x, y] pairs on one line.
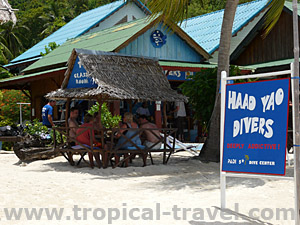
[[72, 121], [150, 136]]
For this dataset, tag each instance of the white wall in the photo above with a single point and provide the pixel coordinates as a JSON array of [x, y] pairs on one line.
[[131, 9]]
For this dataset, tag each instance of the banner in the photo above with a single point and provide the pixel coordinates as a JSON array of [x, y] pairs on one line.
[[255, 132]]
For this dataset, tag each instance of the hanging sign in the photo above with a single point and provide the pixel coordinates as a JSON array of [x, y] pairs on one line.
[[78, 78], [158, 39], [255, 132]]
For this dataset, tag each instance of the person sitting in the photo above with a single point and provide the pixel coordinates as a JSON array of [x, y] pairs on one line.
[[97, 121], [151, 136], [130, 134], [84, 137], [73, 124], [128, 123]]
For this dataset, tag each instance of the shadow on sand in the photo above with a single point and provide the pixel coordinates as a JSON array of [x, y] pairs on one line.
[[202, 176]]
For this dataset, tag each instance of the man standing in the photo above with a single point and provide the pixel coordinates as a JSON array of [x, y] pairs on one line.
[[47, 114], [180, 115]]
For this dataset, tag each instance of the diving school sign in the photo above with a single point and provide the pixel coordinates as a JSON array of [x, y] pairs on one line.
[[255, 132], [79, 78]]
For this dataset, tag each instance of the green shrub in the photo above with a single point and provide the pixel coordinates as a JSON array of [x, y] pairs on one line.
[[107, 119], [5, 121], [36, 128]]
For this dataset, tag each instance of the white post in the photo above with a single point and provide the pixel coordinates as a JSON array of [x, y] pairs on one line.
[[296, 124], [222, 120], [21, 114], [295, 99]]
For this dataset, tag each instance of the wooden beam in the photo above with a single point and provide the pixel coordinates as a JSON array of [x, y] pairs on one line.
[[67, 114], [130, 105], [24, 92], [165, 124], [54, 81], [116, 107], [100, 101], [158, 115]]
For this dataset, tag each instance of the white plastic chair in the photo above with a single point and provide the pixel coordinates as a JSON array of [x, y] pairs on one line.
[[179, 146]]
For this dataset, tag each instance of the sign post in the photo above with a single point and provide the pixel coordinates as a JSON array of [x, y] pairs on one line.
[[222, 121], [296, 128], [254, 118], [296, 142]]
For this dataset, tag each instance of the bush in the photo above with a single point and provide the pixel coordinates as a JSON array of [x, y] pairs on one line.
[[9, 107], [36, 128], [107, 119], [201, 90], [6, 122]]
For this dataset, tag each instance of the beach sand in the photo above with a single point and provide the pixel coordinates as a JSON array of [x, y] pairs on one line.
[[185, 188]]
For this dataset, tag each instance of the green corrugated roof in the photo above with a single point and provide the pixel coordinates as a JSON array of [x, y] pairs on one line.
[[182, 64], [105, 40], [273, 63], [200, 65], [31, 75]]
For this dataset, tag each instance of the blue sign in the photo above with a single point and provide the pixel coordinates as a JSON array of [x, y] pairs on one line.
[[179, 75], [78, 78], [255, 132], [158, 39]]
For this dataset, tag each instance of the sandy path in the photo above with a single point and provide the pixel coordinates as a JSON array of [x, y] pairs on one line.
[[184, 183]]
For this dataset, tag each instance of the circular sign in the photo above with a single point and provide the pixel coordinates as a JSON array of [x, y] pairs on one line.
[[158, 39]]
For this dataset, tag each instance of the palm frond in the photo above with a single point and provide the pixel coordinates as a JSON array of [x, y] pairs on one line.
[[169, 10], [272, 16]]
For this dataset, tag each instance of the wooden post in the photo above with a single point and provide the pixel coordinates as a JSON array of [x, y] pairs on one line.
[[116, 107], [67, 114], [158, 114], [54, 138], [165, 115], [100, 101], [130, 105], [296, 123]]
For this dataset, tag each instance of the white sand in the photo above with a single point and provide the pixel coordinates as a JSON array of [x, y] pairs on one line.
[[183, 182]]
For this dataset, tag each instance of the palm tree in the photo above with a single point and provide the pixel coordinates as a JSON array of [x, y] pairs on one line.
[[11, 39], [211, 148], [54, 17], [5, 53], [176, 11]]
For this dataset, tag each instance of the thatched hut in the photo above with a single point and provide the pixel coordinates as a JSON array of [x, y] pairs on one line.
[[117, 77], [110, 76], [6, 12]]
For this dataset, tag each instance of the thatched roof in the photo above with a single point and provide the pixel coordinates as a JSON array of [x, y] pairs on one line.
[[118, 77], [6, 12]]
